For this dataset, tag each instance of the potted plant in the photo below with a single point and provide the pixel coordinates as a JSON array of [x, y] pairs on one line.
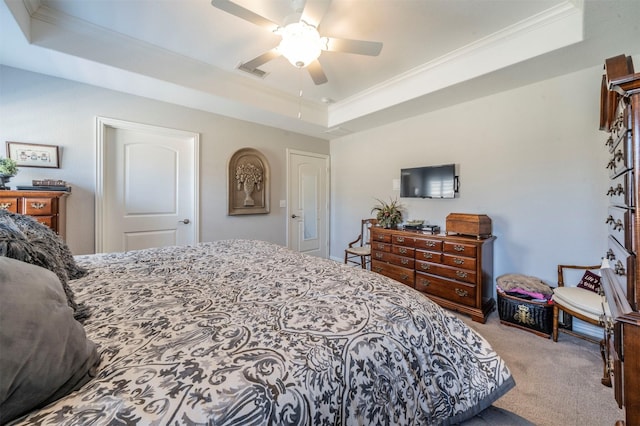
[[389, 215], [8, 169]]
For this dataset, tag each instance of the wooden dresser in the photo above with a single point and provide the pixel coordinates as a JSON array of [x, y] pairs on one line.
[[620, 118], [456, 272], [47, 207]]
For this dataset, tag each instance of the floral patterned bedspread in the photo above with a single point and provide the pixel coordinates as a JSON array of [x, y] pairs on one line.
[[244, 332]]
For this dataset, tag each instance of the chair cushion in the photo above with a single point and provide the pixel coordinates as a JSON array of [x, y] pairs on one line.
[[580, 300], [360, 251]]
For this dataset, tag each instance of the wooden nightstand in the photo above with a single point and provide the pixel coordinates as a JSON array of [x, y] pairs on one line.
[[47, 207]]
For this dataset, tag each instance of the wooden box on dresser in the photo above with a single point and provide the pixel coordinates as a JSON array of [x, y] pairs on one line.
[[454, 271], [620, 118], [47, 207]]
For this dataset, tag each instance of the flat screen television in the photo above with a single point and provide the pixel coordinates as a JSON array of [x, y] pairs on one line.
[[429, 182]]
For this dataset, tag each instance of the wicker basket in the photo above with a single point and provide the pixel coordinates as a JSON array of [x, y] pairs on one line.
[[536, 317]]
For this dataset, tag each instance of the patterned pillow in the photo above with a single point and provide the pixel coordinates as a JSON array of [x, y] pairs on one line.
[[23, 238], [45, 352], [590, 281]]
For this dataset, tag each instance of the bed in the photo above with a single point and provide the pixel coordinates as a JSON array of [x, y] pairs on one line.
[[243, 332]]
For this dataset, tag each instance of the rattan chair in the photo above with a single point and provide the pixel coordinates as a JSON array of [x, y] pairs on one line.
[[359, 250], [585, 305]]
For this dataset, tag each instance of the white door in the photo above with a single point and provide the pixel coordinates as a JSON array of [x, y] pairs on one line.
[[308, 212], [147, 191]]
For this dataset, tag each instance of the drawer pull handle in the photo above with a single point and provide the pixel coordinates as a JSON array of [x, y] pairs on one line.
[[379, 255], [404, 276], [462, 293], [609, 220], [458, 247], [404, 261], [618, 226], [5, 205], [609, 142], [431, 244], [400, 239], [618, 156], [38, 206], [610, 255], [427, 255], [619, 269], [381, 246], [618, 190], [461, 274], [458, 261], [377, 269], [425, 283], [402, 250], [425, 266], [611, 165]]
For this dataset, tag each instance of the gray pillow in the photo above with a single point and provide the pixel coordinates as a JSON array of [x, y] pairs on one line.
[[44, 353], [23, 238]]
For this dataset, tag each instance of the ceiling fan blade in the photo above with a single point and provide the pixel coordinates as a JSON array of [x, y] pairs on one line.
[[314, 11], [316, 73], [246, 14], [360, 47], [262, 59]]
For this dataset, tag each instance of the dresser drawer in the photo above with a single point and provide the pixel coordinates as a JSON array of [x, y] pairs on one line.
[[622, 122], [407, 262], [398, 273], [38, 206], [461, 249], [379, 236], [621, 191], [403, 240], [428, 244], [50, 221], [447, 289], [403, 251], [622, 158], [622, 264], [377, 245], [10, 204], [383, 256], [460, 261], [447, 271], [429, 256], [620, 222]]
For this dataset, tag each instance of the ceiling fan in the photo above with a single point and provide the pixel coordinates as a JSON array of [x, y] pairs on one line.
[[301, 43]]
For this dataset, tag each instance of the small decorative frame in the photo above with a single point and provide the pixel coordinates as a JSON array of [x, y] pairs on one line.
[[34, 155], [248, 173]]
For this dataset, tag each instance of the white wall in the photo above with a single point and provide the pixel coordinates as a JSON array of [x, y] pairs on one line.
[[35, 108], [532, 159]]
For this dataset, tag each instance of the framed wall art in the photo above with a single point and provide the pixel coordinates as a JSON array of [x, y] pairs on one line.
[[34, 155], [248, 183]]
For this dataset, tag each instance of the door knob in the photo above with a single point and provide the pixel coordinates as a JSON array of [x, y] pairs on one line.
[[185, 221], [293, 216]]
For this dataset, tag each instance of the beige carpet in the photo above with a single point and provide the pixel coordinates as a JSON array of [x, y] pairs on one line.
[[556, 383]]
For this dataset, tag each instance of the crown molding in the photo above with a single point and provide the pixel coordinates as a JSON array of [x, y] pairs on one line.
[[549, 30]]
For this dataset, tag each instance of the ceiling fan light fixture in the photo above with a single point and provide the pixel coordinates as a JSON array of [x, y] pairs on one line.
[[301, 44]]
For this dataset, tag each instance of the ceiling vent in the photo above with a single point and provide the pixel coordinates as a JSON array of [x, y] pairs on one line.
[[256, 72]]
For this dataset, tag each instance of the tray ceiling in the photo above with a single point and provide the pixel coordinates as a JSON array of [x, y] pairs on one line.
[[435, 53]]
